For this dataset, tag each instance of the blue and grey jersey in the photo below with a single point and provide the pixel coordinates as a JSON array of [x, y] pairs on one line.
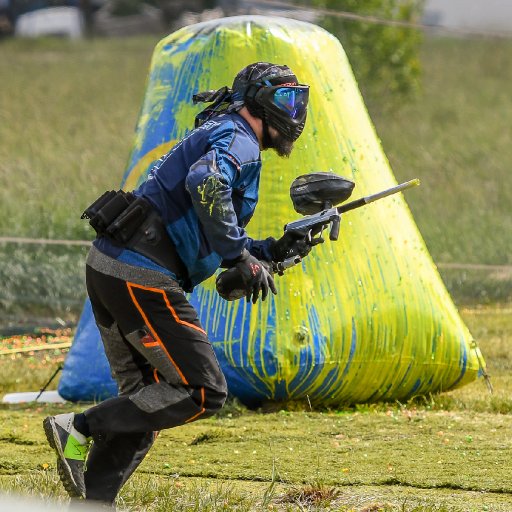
[[206, 190]]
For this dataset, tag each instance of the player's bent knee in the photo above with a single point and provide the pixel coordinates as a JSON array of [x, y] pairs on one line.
[[215, 398]]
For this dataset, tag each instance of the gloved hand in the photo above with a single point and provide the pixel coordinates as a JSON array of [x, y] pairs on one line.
[[247, 276], [292, 244]]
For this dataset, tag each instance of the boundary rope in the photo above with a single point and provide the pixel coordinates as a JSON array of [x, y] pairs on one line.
[[366, 18], [42, 241], [87, 243]]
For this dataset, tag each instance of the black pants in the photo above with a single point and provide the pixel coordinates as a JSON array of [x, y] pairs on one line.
[[162, 361]]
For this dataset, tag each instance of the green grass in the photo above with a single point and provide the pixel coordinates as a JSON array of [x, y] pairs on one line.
[[433, 458], [30, 372], [68, 116], [454, 137], [68, 113], [448, 452], [41, 281]]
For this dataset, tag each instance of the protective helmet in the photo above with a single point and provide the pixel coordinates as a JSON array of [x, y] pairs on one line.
[[269, 91], [273, 93]]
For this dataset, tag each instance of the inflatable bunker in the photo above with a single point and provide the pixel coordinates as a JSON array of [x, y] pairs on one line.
[[363, 319]]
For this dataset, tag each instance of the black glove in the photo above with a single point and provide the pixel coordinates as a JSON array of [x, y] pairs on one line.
[[245, 277], [292, 244]]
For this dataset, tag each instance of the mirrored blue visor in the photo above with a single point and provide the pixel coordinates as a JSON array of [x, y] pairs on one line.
[[292, 99]]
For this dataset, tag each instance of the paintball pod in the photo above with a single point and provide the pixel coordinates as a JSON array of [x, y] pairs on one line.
[[316, 195]]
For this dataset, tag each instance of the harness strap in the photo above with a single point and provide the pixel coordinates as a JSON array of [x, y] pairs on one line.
[[133, 223], [151, 240]]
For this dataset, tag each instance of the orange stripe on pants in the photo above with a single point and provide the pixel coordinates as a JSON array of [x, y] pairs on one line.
[[147, 322], [202, 408], [168, 304]]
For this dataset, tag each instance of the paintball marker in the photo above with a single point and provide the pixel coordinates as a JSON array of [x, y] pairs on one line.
[[315, 196]]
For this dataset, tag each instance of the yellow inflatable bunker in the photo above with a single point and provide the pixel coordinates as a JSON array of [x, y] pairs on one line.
[[362, 319]]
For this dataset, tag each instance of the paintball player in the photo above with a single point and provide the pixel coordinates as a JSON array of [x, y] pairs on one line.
[[170, 234]]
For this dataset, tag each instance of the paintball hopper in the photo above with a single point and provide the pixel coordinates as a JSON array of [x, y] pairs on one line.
[[311, 193]]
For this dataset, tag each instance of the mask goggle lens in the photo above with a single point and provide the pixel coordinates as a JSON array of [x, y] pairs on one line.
[[292, 100]]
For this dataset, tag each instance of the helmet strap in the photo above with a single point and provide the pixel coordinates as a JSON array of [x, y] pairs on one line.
[[221, 102]]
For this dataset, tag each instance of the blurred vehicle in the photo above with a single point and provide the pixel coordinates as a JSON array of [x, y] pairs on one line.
[[64, 21]]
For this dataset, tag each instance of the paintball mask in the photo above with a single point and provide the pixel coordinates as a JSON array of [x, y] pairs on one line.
[[269, 91], [273, 93]]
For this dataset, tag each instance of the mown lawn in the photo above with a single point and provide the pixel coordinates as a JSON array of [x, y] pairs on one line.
[[68, 111], [448, 452]]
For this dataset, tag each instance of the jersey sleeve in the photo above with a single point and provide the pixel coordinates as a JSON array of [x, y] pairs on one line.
[[209, 184]]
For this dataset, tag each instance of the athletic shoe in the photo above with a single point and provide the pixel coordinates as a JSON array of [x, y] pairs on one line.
[[71, 447]]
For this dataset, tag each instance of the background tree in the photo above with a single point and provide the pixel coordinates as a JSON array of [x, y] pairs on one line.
[[384, 57]]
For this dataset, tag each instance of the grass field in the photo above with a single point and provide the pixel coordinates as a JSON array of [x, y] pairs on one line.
[[68, 111], [448, 452], [454, 136]]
